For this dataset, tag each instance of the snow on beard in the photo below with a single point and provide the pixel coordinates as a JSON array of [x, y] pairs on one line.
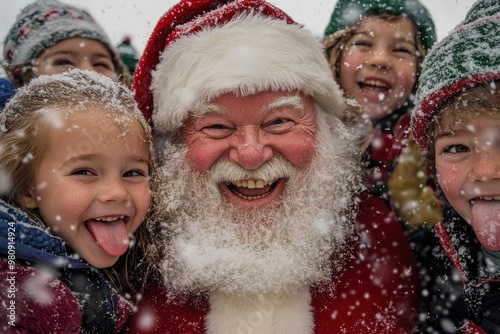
[[209, 244]]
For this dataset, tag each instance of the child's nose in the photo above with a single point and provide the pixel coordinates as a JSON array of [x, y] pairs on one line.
[[486, 165], [85, 64], [113, 190], [379, 59]]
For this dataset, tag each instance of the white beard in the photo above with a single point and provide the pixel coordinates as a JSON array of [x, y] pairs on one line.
[[209, 244]]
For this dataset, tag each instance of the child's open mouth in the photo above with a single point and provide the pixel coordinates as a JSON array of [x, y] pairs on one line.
[[373, 86], [485, 219], [110, 233]]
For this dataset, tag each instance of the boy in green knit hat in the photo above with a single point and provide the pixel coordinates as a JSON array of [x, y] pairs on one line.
[[457, 122], [375, 49]]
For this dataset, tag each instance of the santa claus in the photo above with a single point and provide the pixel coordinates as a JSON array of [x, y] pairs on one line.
[[262, 224]]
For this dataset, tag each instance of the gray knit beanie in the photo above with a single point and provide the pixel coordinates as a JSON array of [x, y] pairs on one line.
[[43, 24]]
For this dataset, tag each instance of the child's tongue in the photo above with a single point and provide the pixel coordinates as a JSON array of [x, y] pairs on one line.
[[111, 236], [486, 223]]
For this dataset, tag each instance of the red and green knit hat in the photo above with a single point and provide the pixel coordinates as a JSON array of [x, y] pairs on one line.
[[201, 49], [349, 12], [43, 24], [468, 56]]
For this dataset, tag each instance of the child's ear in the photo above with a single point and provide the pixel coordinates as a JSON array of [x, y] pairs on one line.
[[28, 200]]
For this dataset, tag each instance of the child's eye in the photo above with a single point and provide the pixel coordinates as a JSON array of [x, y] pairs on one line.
[[456, 149], [82, 172], [403, 50], [105, 65], [62, 62], [361, 43], [134, 173]]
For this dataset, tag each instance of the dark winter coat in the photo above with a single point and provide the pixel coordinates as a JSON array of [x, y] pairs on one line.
[[375, 292], [460, 295], [43, 290]]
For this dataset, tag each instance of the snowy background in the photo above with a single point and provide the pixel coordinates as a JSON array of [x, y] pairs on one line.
[[137, 18]]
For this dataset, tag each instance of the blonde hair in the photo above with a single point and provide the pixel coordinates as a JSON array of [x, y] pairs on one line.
[[335, 43], [23, 129]]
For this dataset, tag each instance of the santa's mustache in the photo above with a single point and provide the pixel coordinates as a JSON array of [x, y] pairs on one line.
[[227, 171]]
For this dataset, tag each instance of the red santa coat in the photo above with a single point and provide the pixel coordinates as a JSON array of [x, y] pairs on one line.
[[377, 292]]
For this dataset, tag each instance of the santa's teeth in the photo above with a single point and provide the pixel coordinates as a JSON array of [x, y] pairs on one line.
[[252, 184], [252, 198]]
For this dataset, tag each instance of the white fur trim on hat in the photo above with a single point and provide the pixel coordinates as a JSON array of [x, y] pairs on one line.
[[249, 54]]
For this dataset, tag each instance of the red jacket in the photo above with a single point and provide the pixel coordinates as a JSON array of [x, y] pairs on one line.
[[378, 292]]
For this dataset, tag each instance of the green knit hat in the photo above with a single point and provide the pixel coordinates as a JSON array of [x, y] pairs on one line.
[[468, 56], [128, 54], [349, 12], [45, 23]]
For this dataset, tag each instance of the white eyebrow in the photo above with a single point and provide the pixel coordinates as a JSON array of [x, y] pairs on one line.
[[294, 102], [203, 108]]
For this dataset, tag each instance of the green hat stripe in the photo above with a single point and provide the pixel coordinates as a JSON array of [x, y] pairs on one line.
[[467, 52], [469, 56]]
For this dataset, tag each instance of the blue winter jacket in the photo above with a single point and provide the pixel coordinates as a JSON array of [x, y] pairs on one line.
[[7, 91], [35, 246]]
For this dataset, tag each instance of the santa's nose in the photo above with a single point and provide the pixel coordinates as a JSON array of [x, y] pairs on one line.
[[249, 149]]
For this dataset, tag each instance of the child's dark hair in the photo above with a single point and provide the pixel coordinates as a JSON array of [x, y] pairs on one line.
[[483, 99]]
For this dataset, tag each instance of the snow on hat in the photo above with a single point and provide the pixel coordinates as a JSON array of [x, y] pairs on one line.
[[468, 56], [43, 24], [202, 49], [348, 12]]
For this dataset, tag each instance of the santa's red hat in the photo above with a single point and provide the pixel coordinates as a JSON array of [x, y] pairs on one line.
[[201, 49]]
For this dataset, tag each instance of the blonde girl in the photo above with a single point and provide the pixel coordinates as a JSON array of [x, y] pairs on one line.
[[77, 166]]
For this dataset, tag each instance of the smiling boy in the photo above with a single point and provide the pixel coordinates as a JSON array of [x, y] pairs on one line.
[[457, 121]]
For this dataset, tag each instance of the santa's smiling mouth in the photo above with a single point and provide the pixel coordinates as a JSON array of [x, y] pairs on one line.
[[251, 189]]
